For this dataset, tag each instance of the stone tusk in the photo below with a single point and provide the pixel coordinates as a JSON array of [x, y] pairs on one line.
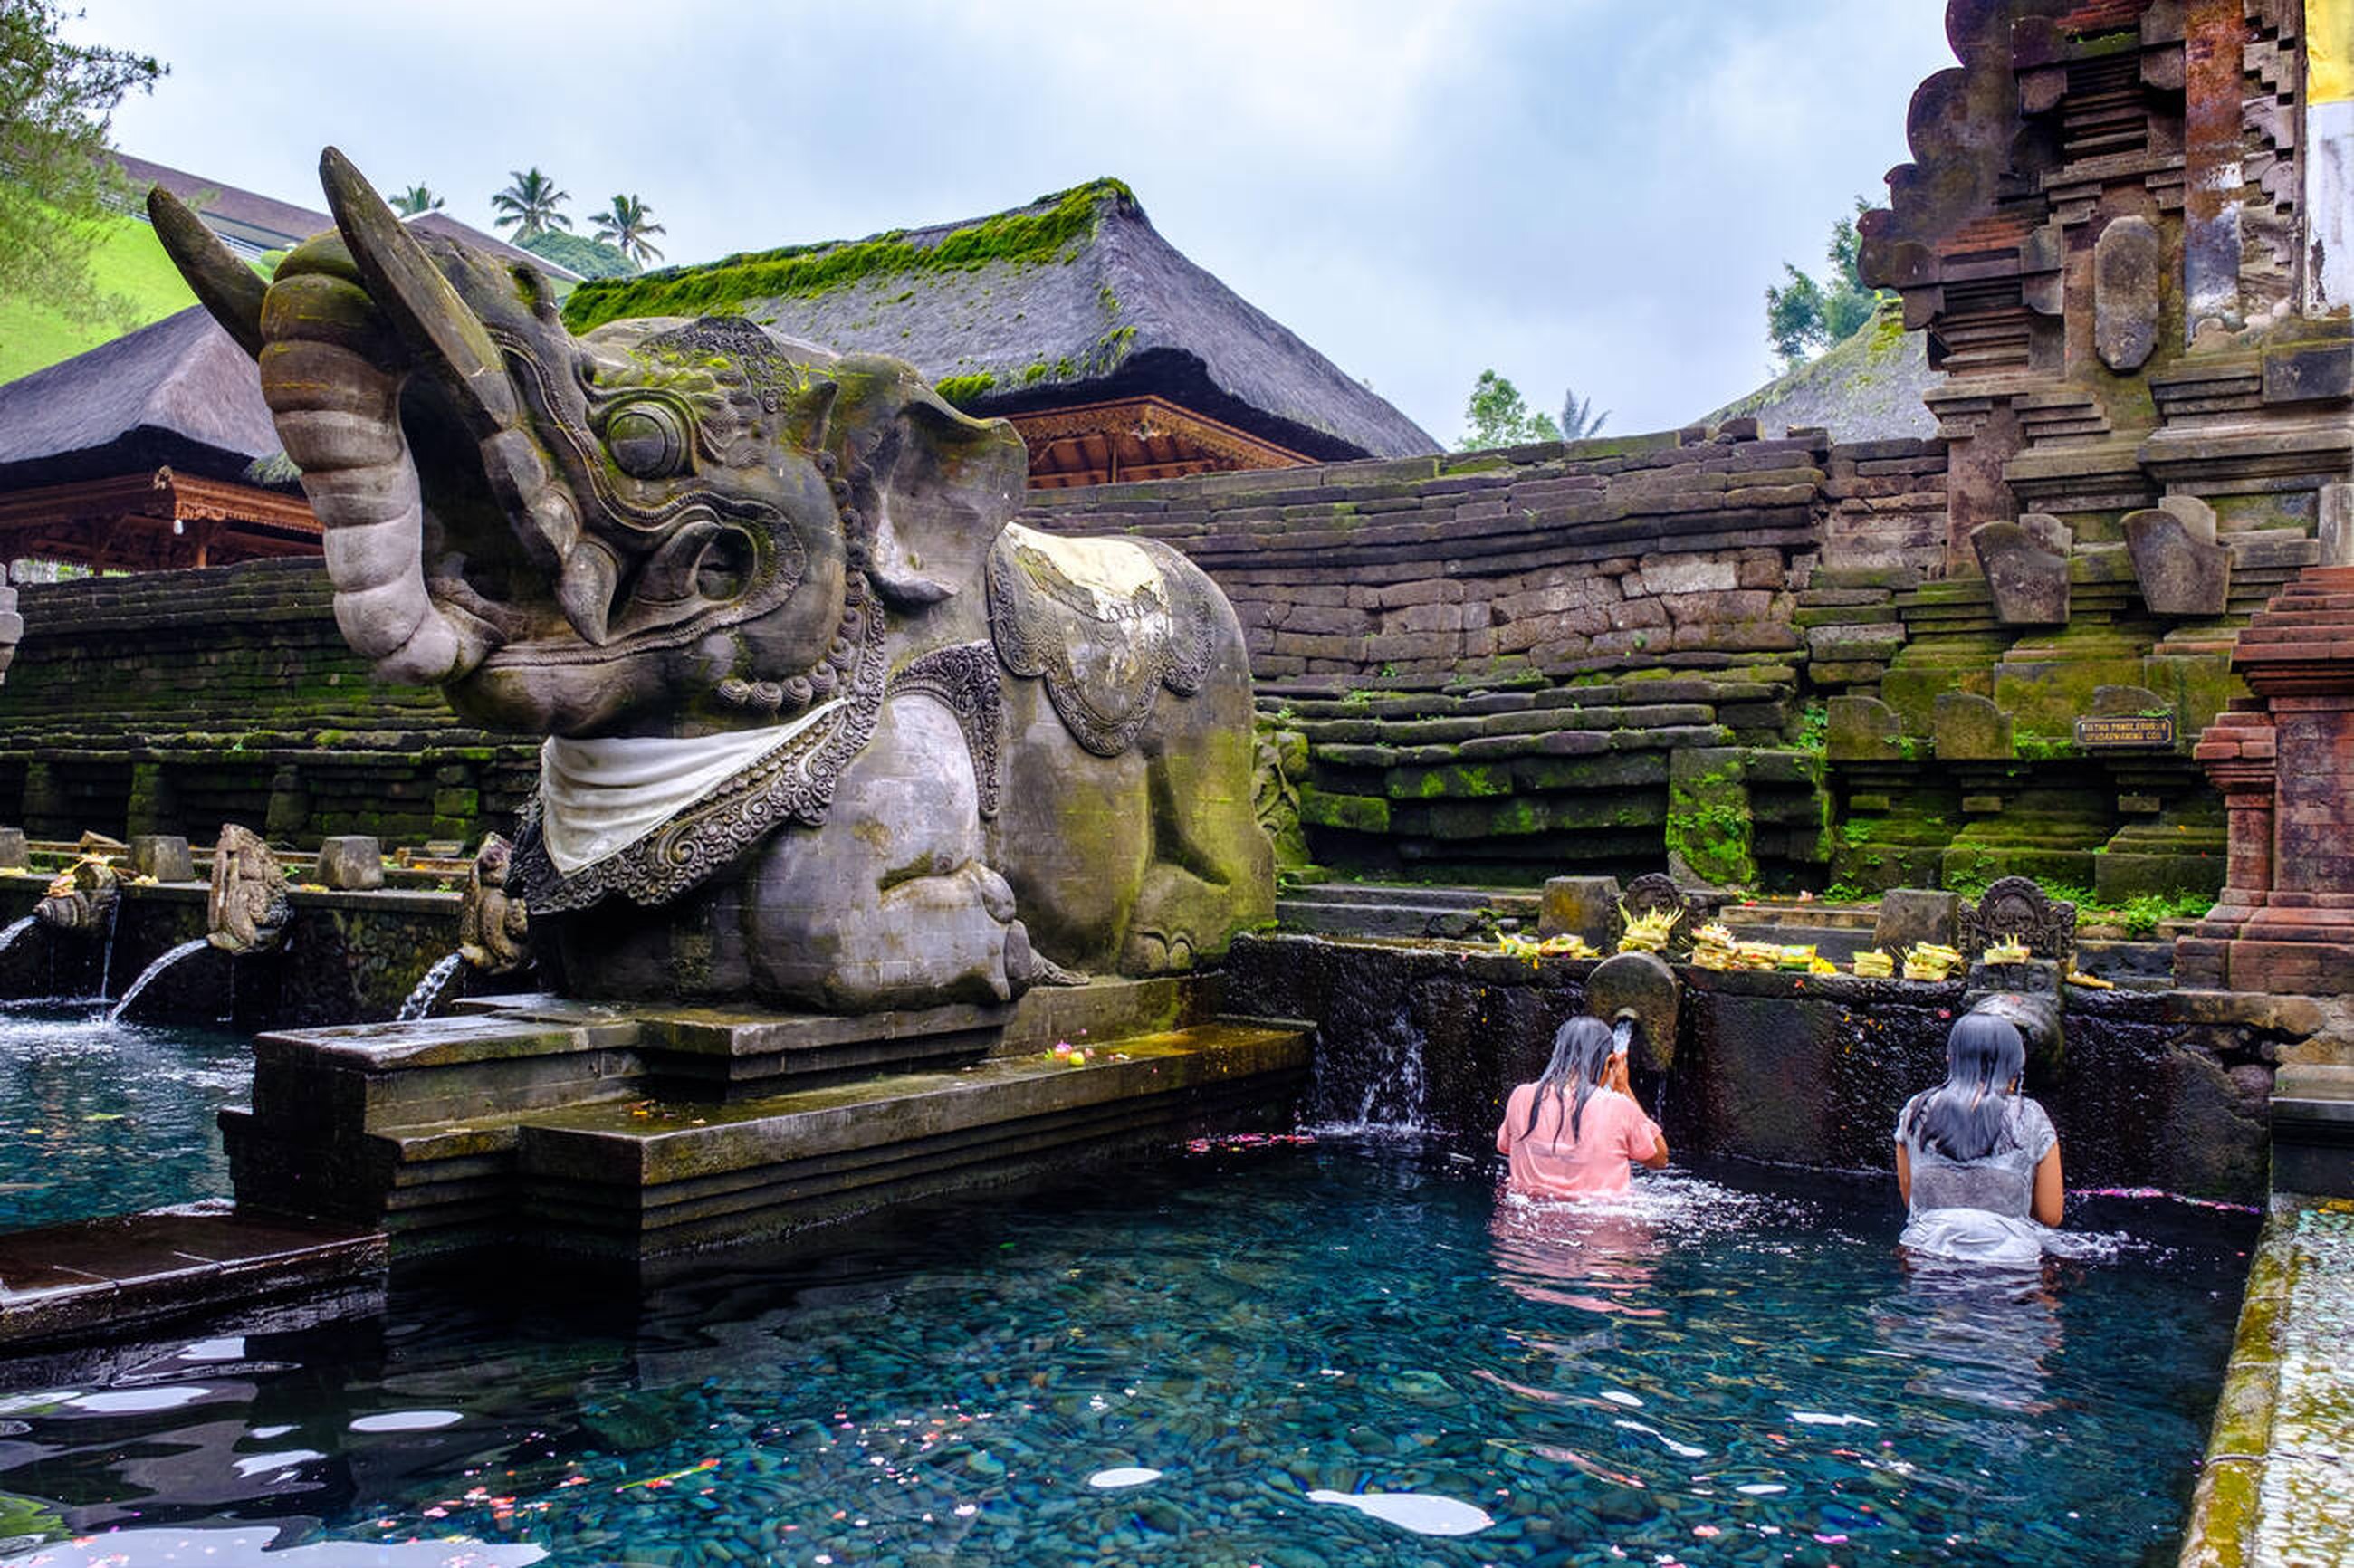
[[223, 285], [416, 297]]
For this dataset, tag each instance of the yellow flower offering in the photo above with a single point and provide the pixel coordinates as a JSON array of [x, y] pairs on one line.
[[1647, 932]]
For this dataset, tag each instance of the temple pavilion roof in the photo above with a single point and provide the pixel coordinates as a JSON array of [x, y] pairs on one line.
[[1115, 355]]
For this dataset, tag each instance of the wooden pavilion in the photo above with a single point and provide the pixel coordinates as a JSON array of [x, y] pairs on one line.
[[150, 451]]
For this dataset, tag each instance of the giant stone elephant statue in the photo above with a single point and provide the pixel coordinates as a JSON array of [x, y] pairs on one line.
[[825, 728]]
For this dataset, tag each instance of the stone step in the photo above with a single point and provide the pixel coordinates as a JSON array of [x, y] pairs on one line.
[[98, 1279], [625, 1180], [1394, 909], [1837, 943], [1814, 913]]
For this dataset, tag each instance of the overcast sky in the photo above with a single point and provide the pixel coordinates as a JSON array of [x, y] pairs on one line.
[[1579, 193]]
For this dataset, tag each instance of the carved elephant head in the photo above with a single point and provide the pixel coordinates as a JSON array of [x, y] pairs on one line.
[[661, 527]]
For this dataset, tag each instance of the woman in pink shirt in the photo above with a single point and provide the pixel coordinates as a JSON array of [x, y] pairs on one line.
[[1571, 1133]]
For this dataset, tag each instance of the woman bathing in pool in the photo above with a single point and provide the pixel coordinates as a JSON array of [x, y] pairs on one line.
[[1571, 1133], [1977, 1162]]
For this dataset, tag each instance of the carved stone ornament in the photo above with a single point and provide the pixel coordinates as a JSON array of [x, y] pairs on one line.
[[81, 899], [494, 928], [1104, 626], [1654, 891], [247, 909], [2018, 906]]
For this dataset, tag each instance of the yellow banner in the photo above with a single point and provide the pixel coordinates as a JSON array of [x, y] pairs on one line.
[[2328, 51]]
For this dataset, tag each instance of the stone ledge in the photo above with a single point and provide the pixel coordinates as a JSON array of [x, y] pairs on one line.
[[98, 1278], [2272, 1489]]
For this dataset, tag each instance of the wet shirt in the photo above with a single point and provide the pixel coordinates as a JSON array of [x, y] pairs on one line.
[[1976, 1210], [1547, 1162]]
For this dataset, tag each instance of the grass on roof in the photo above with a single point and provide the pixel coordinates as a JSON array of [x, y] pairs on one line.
[[1050, 229], [128, 260]]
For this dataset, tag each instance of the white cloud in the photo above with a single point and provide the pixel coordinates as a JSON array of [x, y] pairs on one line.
[[1573, 191]]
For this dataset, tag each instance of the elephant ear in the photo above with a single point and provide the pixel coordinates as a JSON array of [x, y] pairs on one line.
[[945, 487]]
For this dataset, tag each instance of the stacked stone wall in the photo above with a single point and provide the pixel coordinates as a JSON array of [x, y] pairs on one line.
[[1593, 655], [1498, 665], [171, 701], [1674, 549]]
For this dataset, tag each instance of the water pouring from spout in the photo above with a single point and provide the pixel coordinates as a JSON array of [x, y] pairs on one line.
[[428, 990], [148, 976]]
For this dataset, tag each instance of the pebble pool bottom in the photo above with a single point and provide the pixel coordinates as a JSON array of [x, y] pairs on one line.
[[109, 1119], [1352, 1352]]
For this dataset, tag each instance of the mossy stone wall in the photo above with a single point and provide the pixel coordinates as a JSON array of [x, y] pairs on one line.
[[172, 702]]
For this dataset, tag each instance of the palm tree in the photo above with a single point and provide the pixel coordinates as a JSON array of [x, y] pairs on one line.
[[1578, 420], [626, 226], [530, 205], [416, 199]]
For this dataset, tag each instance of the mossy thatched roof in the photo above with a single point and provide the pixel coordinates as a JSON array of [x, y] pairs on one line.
[[1074, 298]]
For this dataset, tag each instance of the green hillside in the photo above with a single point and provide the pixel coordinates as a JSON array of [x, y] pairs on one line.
[[128, 262]]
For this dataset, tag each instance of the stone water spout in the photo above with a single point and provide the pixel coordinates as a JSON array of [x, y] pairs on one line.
[[494, 928], [248, 909], [2026, 994], [1639, 990], [82, 899]]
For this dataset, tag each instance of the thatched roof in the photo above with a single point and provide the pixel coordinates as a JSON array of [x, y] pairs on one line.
[[1073, 298], [177, 393], [260, 223], [1867, 387]]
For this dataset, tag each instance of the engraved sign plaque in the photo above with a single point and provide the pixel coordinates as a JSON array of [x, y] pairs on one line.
[[2125, 732]]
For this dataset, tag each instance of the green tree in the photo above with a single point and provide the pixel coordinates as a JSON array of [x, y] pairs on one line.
[[589, 258], [58, 187], [415, 200], [1498, 416], [1803, 315], [1578, 420], [627, 226], [530, 206]]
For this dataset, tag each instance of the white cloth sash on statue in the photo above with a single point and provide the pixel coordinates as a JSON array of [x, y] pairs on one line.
[[597, 798]]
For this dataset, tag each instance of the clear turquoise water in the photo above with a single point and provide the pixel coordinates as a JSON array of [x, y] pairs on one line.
[[1702, 1375], [109, 1119]]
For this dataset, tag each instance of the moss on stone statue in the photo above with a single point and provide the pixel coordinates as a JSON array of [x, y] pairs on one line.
[[963, 391]]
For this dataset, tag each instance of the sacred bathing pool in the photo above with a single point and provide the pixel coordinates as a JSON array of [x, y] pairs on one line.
[[773, 955]]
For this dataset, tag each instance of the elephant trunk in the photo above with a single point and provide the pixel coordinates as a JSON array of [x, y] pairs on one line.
[[338, 411], [332, 373]]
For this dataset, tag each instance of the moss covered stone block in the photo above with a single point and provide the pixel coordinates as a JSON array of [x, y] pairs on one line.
[[1462, 780], [1351, 814], [1710, 826]]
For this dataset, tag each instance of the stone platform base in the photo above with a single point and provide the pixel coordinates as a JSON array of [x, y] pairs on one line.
[[617, 1134], [63, 1285]]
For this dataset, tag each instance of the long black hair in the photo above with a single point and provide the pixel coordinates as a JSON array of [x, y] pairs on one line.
[[1581, 1054], [1962, 1117]]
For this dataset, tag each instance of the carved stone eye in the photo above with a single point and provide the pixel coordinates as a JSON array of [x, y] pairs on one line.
[[647, 440]]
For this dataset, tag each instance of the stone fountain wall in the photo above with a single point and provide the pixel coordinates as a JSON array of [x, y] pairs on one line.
[[2160, 1089]]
